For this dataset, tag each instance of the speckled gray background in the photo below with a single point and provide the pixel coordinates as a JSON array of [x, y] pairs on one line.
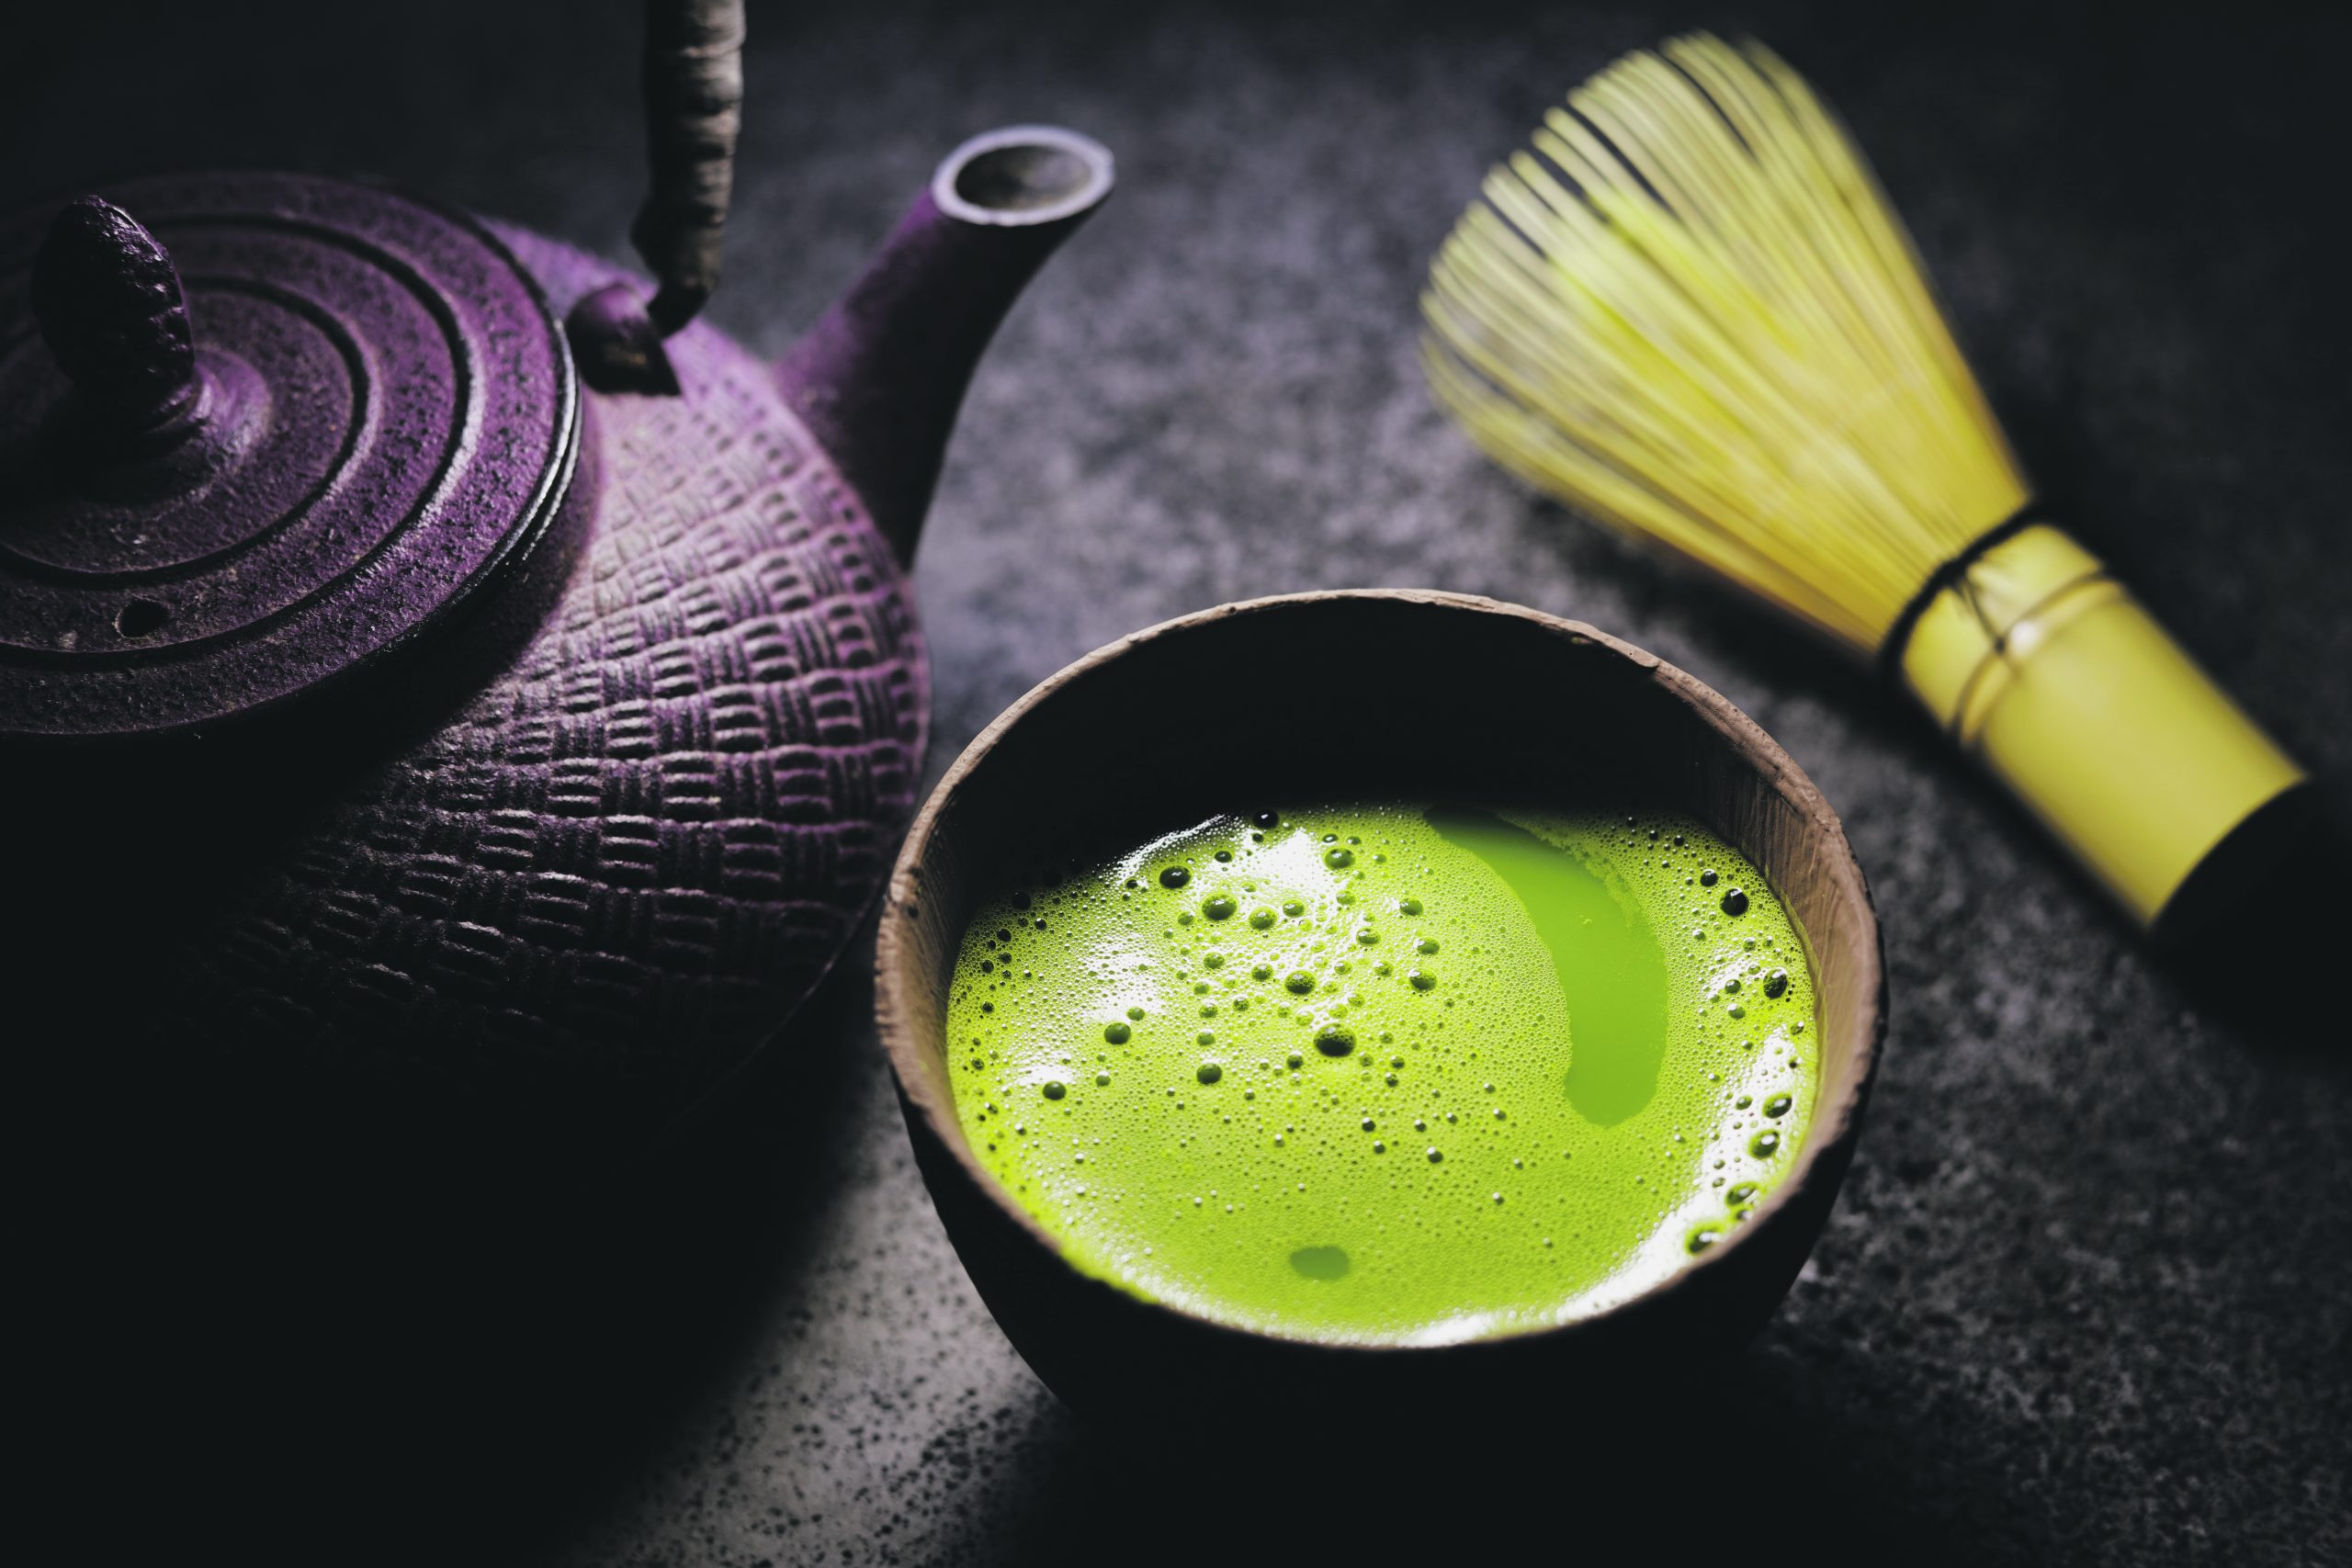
[[2086, 1296]]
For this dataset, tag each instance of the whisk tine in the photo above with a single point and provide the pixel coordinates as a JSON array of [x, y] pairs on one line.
[[1686, 310]]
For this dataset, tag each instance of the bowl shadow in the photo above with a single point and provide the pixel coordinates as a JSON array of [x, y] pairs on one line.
[[1761, 1458]]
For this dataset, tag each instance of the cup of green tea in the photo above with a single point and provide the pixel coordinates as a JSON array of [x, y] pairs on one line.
[[1353, 1007]]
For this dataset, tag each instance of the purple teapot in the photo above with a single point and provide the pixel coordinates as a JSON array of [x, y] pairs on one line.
[[439, 678]]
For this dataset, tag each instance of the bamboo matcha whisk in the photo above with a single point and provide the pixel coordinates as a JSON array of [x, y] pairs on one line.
[[1688, 312]]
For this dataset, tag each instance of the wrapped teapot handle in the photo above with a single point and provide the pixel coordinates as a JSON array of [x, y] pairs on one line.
[[694, 109]]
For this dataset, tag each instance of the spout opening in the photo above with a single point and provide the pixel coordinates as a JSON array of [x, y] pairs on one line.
[[1022, 176]]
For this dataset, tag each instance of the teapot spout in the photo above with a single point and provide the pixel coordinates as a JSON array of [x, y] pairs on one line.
[[879, 377]]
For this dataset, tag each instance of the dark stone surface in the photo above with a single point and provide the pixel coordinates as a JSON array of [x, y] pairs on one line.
[[2085, 1297]]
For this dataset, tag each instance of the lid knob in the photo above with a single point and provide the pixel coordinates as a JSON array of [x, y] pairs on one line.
[[111, 308]]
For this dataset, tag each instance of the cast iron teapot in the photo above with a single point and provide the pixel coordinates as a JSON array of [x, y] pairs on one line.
[[437, 677]]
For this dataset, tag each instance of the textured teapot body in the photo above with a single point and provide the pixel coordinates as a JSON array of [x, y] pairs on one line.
[[628, 855], [556, 862]]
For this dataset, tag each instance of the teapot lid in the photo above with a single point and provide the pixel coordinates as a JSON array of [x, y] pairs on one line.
[[275, 429]]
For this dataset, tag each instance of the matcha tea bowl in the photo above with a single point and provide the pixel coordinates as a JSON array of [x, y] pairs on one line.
[[1390, 1002]]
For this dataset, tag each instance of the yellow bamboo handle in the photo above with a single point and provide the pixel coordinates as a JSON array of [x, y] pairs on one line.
[[2041, 664]]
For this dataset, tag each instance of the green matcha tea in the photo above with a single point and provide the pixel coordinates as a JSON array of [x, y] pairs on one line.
[[1382, 1074]]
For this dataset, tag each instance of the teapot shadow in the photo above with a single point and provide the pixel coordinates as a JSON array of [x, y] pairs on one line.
[[458, 1369]]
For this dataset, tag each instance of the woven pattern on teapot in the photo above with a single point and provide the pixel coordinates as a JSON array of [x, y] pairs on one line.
[[629, 858]]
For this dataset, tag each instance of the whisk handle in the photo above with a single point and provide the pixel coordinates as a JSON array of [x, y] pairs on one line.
[[2044, 668]]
